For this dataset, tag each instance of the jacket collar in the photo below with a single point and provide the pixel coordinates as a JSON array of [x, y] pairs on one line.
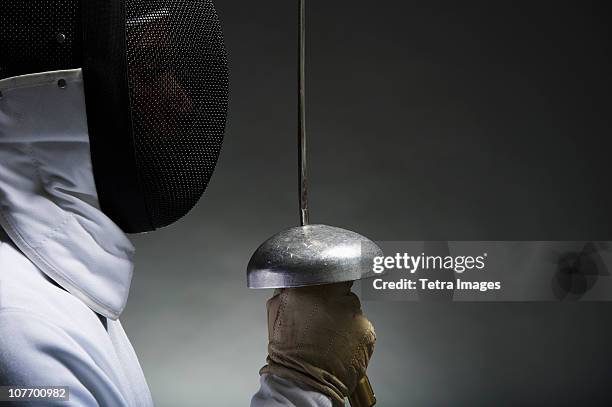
[[48, 201]]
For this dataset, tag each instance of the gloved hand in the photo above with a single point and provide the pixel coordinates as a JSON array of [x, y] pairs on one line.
[[319, 336]]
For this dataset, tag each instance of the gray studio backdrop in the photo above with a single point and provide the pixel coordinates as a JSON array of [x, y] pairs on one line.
[[427, 120]]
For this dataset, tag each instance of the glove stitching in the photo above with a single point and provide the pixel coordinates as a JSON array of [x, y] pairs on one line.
[[331, 345], [361, 345], [315, 309], [279, 323]]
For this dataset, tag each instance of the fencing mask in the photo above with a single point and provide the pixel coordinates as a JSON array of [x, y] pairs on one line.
[[156, 90]]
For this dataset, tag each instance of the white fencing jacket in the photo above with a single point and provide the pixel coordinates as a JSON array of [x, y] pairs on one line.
[[65, 268]]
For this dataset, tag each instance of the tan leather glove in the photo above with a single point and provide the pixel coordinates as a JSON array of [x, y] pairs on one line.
[[319, 336]]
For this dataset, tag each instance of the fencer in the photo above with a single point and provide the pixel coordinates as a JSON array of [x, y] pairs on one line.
[[112, 116]]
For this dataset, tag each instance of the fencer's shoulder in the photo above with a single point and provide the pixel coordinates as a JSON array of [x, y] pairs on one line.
[[30, 314], [22, 329], [36, 349], [36, 352], [45, 314], [43, 301], [25, 290], [26, 331], [27, 343], [35, 309], [55, 346]]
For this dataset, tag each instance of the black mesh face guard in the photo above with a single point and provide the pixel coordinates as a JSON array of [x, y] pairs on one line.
[[156, 87], [39, 36]]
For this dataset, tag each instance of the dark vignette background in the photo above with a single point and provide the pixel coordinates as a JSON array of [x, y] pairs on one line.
[[427, 120]]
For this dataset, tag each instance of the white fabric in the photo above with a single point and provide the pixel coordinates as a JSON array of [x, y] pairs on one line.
[[49, 208], [65, 268], [49, 337], [278, 392], [48, 201]]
